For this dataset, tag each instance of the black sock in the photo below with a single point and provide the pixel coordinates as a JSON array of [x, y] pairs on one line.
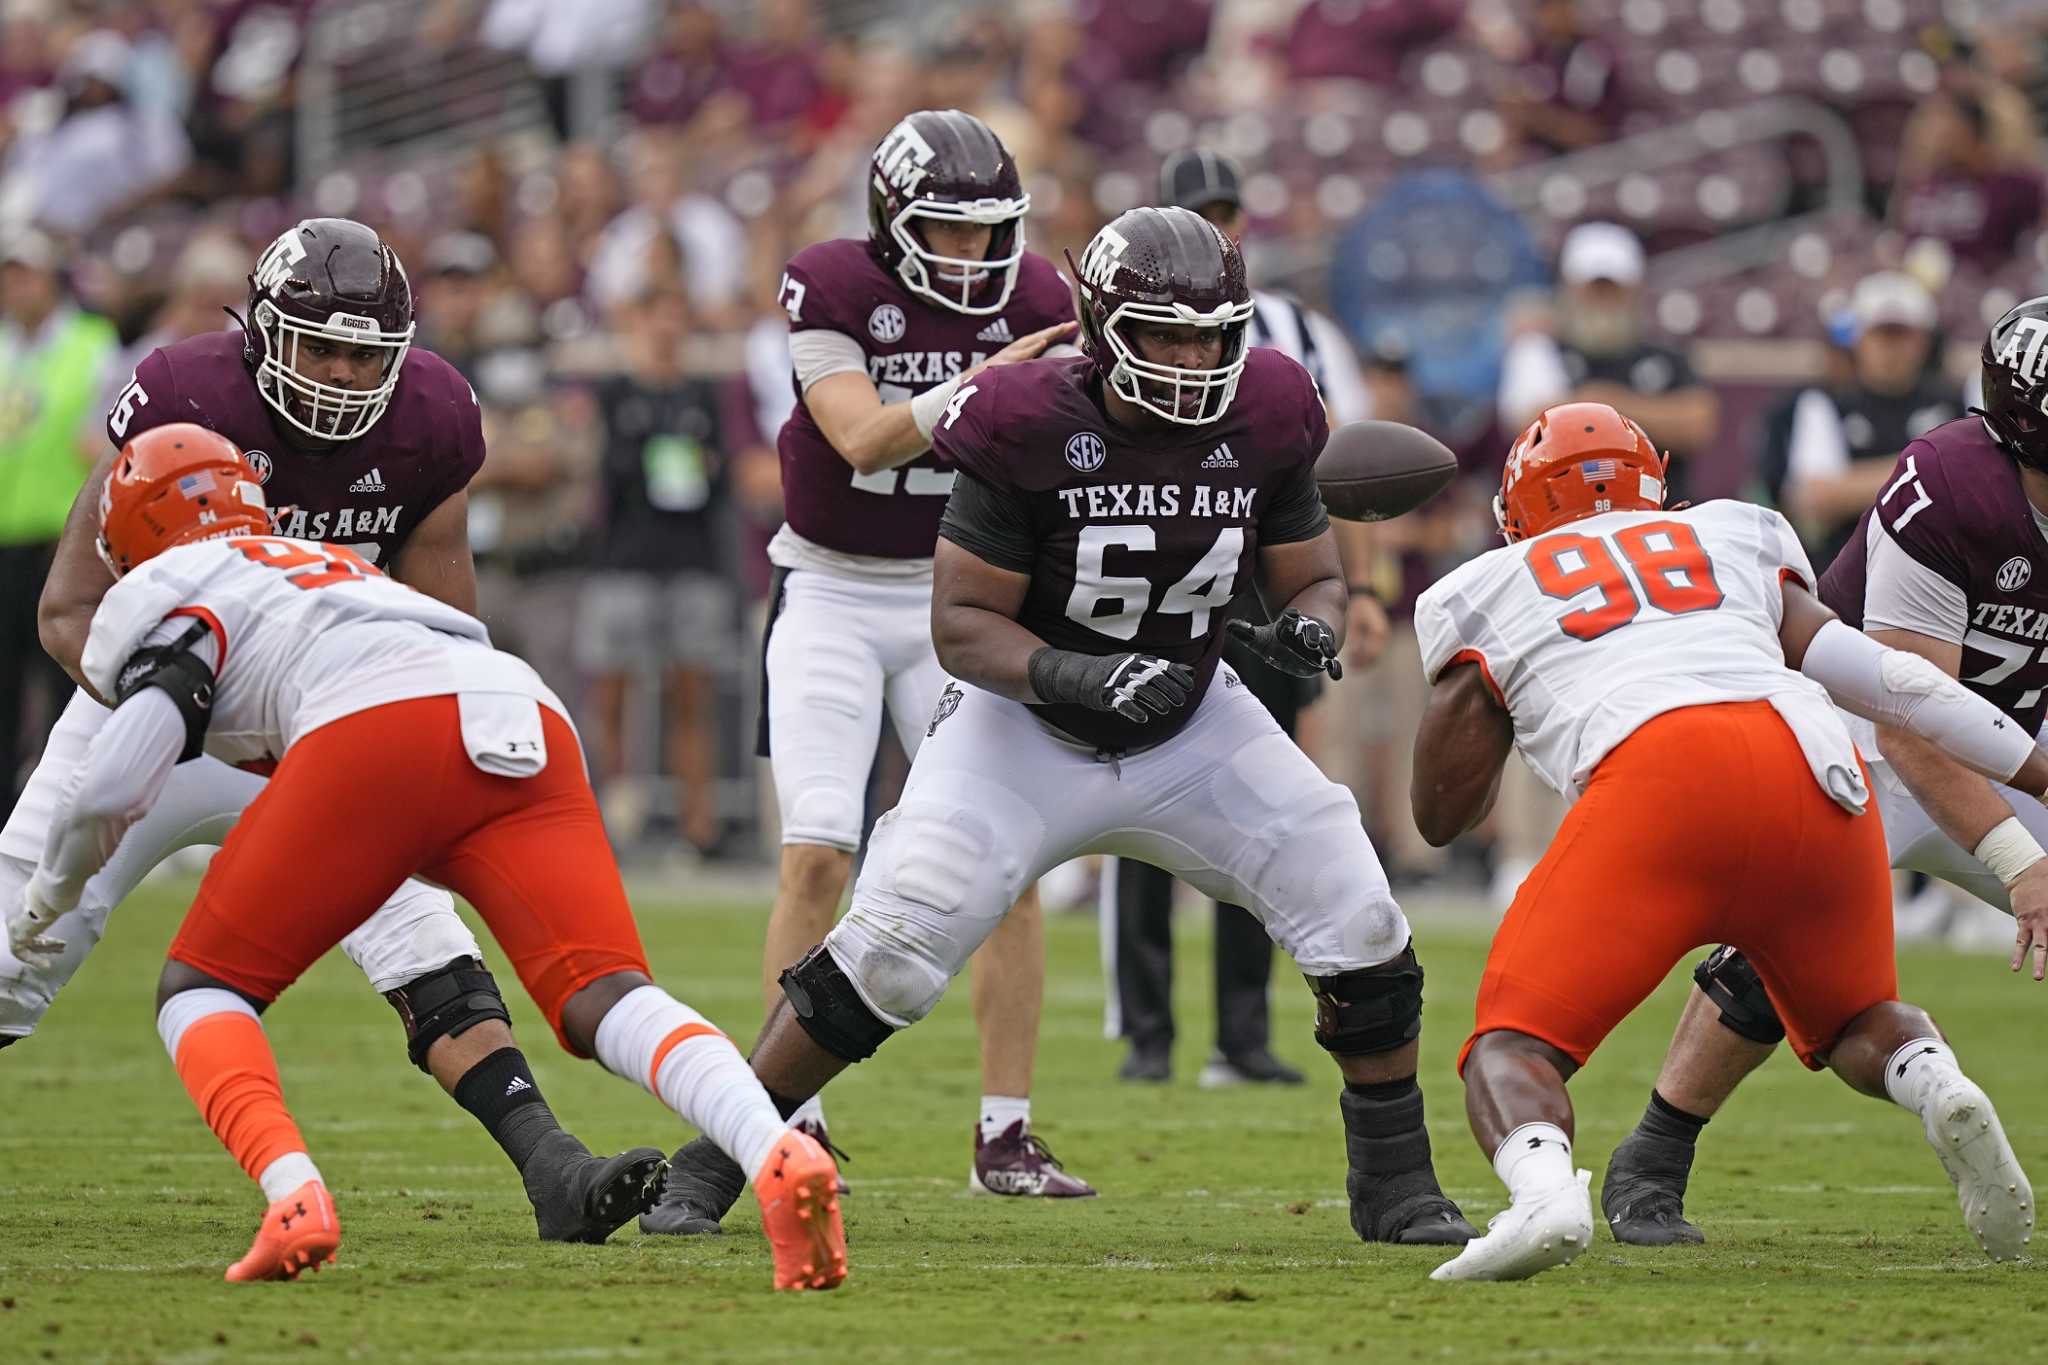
[[1666, 1120], [500, 1092], [784, 1104], [1383, 1090]]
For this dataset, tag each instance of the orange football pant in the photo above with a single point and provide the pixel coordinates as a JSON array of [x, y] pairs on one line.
[[360, 804], [1704, 826]]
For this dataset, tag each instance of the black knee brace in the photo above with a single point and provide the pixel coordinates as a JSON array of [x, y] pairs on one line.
[[446, 1003], [1374, 1009], [1731, 983], [830, 1009]]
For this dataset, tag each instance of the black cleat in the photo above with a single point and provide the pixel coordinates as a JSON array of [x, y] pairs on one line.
[[1257, 1066], [1151, 1065], [578, 1197], [1391, 1181], [1642, 1196], [701, 1186]]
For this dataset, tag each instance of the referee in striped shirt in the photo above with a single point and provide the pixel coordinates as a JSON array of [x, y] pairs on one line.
[[1137, 898]]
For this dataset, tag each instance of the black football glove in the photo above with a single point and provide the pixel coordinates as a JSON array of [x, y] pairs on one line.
[[1295, 644], [1135, 686]]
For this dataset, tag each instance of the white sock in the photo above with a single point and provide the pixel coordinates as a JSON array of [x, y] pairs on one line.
[[1915, 1070], [811, 1110], [286, 1174], [998, 1112], [654, 1039], [187, 1008], [1534, 1158]]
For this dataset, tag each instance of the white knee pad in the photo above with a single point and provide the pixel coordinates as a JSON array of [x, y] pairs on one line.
[[411, 934], [935, 885], [823, 811], [1325, 888]]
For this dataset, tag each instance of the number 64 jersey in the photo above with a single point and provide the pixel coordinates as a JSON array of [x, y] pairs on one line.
[[1588, 631], [306, 633]]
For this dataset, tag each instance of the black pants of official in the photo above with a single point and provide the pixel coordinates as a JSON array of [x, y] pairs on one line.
[[1140, 899], [25, 670]]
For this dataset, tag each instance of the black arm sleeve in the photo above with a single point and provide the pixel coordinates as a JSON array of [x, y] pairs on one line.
[[991, 524], [1295, 511]]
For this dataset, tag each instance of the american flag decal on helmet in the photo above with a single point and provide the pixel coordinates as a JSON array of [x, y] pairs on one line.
[[192, 485], [1599, 471]]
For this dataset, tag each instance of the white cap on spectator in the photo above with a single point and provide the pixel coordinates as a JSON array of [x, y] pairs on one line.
[[28, 246], [1890, 297], [1601, 251], [102, 55]]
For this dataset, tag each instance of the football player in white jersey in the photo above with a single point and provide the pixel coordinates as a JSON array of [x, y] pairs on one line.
[[1643, 662], [390, 717]]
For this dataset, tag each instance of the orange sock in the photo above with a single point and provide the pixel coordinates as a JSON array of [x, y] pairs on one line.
[[225, 1061]]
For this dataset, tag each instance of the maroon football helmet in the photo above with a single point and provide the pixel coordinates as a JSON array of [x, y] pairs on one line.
[[1171, 266], [944, 165], [330, 280], [2016, 383]]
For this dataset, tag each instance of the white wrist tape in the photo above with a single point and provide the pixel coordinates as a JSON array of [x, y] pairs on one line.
[[1898, 688], [928, 407], [2008, 850]]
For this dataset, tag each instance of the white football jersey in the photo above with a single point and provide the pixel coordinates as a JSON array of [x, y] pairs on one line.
[[1590, 630], [307, 633]]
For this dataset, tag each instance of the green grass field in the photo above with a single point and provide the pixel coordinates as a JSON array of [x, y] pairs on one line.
[[1221, 1232]]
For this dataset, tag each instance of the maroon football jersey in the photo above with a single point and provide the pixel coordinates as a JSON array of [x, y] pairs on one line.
[[368, 494], [1954, 503], [1138, 537], [912, 345]]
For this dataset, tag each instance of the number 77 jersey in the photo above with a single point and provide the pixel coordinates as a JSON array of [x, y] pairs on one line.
[[1586, 632]]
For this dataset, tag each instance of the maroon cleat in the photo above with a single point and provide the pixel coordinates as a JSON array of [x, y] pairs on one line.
[[1019, 1164]]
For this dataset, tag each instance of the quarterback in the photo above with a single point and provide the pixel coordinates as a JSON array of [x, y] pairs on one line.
[[1643, 662], [388, 716]]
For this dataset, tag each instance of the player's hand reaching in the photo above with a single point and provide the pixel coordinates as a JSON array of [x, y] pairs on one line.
[[1030, 345], [1135, 686], [2029, 892], [1295, 644], [28, 919]]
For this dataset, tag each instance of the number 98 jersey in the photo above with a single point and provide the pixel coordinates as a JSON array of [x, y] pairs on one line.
[[304, 634], [1586, 632], [1134, 539]]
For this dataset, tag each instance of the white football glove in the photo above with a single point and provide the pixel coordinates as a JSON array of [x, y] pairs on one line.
[[29, 920]]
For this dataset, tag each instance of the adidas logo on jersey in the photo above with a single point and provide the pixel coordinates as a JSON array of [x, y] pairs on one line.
[[519, 1083], [1220, 458], [999, 330], [372, 482]]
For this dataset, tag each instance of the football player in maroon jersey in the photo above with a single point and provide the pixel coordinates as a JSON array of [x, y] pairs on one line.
[[882, 332], [363, 440], [1107, 506], [1949, 563]]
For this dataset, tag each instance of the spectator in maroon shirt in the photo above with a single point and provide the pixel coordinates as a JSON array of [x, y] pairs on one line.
[[1958, 187], [1151, 42], [1566, 92], [1366, 40]]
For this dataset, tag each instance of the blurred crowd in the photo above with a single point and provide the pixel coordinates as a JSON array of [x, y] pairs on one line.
[[1770, 229]]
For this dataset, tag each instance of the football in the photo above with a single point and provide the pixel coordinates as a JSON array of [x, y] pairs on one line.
[[1370, 471]]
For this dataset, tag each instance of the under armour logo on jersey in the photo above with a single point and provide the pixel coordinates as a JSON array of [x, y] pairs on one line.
[[1220, 458], [519, 1083], [999, 330], [1086, 452], [372, 482]]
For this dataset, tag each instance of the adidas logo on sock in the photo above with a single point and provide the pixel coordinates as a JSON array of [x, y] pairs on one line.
[[1220, 458], [519, 1083], [999, 330], [372, 482]]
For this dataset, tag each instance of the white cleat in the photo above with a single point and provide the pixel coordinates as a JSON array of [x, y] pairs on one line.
[[1997, 1201], [1552, 1229]]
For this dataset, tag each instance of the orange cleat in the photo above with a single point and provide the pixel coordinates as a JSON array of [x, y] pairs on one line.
[[298, 1231], [797, 1187]]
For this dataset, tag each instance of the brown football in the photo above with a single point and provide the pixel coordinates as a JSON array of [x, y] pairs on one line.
[[1370, 471]]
